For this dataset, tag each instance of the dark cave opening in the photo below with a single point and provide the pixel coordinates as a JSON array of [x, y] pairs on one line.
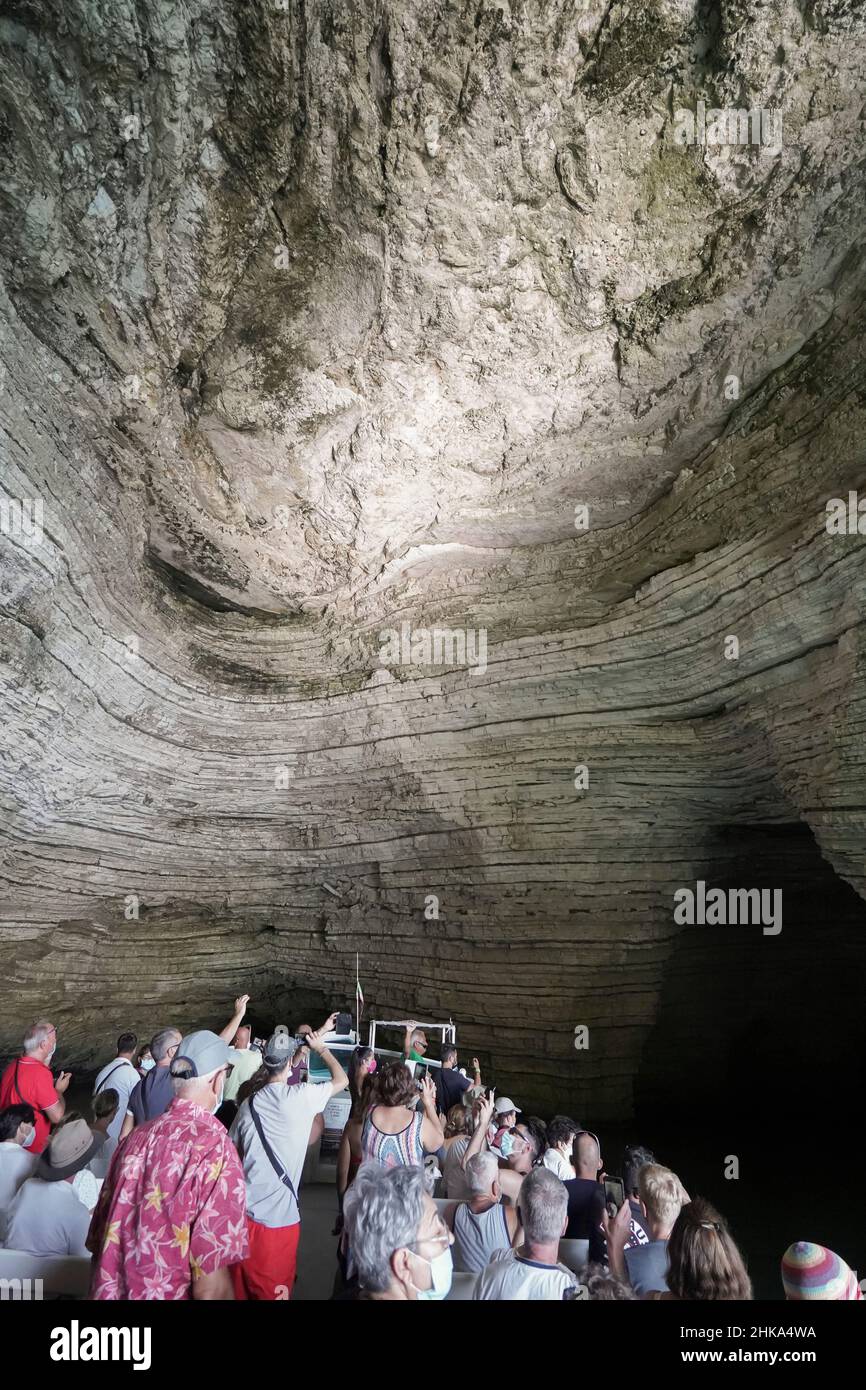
[[764, 1027]]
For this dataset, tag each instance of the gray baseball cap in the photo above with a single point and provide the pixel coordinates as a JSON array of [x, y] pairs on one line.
[[203, 1051], [279, 1048]]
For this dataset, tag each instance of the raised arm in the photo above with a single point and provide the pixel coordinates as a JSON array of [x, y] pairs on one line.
[[55, 1112], [479, 1139], [315, 1041], [432, 1133], [617, 1235], [236, 1019], [407, 1037]]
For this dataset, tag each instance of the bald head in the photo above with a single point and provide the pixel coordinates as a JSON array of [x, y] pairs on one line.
[[587, 1156]]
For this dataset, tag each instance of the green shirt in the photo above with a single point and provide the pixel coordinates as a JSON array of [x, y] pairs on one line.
[[414, 1056], [246, 1061]]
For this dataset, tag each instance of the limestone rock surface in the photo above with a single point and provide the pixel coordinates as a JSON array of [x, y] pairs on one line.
[[320, 318]]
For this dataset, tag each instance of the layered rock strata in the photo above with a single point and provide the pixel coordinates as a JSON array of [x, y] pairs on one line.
[[320, 320]]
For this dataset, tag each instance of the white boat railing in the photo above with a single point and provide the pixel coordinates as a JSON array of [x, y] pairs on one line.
[[447, 1030]]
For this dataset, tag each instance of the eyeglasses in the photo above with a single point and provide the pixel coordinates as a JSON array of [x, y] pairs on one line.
[[433, 1240]]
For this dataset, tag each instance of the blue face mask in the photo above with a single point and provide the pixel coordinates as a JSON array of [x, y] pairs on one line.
[[441, 1273], [506, 1144], [147, 1063]]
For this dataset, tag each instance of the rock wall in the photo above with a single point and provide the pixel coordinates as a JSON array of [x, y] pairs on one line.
[[319, 319]]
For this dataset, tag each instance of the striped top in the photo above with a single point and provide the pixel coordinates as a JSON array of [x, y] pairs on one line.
[[394, 1150]]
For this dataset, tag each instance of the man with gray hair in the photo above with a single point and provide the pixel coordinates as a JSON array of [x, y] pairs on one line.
[[532, 1271], [483, 1225], [399, 1244], [154, 1093], [28, 1081], [170, 1220]]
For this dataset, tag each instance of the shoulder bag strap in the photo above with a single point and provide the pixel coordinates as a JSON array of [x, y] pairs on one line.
[[107, 1078], [37, 1108], [272, 1157]]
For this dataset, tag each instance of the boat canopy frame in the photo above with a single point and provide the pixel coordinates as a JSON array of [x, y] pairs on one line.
[[447, 1030]]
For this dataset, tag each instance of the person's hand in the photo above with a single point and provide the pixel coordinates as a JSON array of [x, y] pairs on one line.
[[428, 1091], [330, 1022], [316, 1041], [241, 1003], [485, 1110], [617, 1230], [410, 1023], [476, 1065], [62, 1082]]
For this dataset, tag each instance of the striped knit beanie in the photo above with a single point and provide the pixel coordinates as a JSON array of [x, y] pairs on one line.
[[814, 1272]]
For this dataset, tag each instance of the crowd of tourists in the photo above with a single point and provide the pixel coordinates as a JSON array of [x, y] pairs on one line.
[[183, 1181]]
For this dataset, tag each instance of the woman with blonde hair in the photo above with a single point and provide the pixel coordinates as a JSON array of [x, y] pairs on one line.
[[458, 1132]]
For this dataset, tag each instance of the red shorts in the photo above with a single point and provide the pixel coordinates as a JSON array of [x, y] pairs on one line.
[[268, 1272]]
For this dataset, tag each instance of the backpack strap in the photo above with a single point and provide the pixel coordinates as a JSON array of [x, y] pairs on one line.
[[272, 1157]]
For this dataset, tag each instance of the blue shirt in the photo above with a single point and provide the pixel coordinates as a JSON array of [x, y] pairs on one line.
[[647, 1266]]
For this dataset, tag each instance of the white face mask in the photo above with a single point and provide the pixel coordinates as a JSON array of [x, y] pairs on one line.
[[147, 1063], [50, 1055], [441, 1273], [30, 1137]]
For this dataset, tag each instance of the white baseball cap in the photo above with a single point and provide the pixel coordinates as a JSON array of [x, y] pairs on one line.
[[503, 1106]]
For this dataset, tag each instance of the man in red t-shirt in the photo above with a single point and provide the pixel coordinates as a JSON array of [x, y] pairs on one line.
[[28, 1079]]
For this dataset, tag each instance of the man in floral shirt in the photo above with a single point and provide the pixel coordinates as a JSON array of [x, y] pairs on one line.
[[171, 1218]]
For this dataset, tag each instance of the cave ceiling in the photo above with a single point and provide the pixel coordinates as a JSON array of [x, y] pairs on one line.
[[320, 319]]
